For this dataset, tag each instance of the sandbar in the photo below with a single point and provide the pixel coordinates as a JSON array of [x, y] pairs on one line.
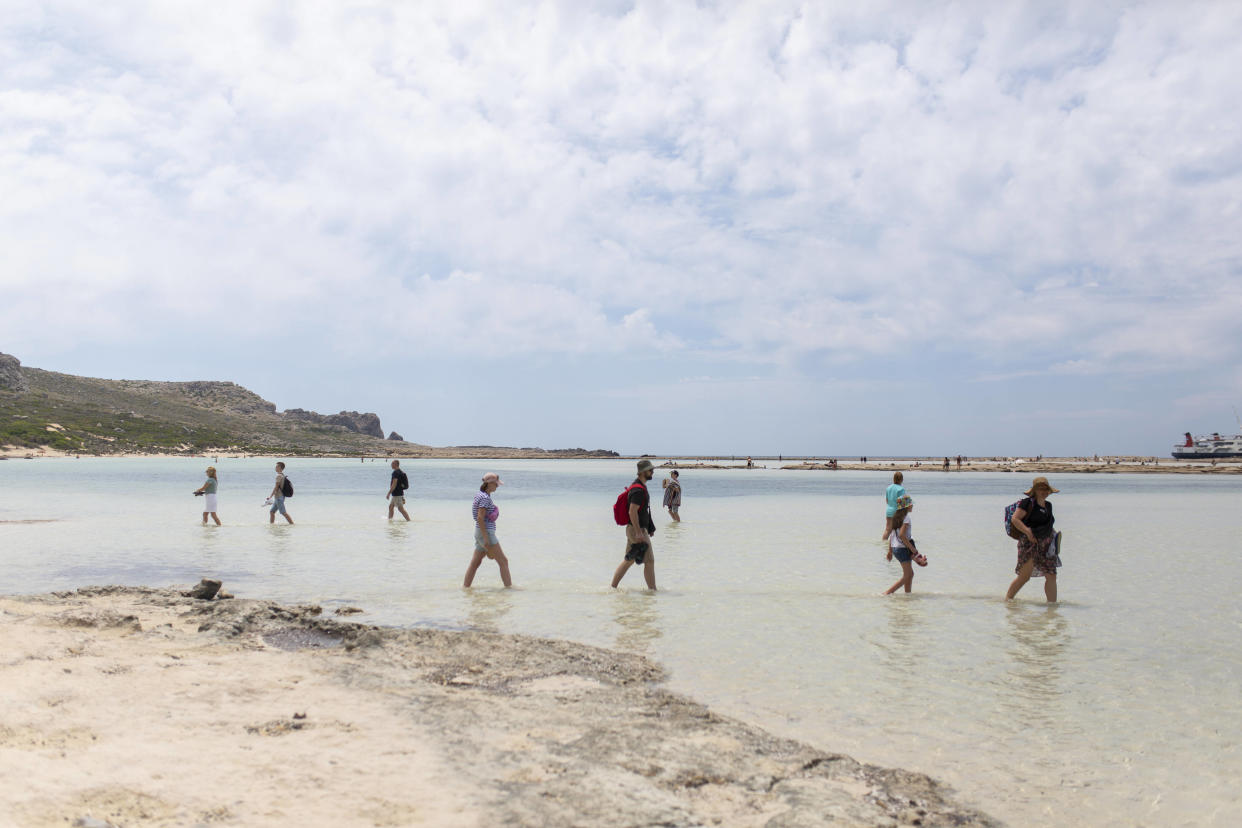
[[140, 706]]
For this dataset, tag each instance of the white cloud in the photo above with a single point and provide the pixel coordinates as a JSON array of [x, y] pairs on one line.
[[780, 179]]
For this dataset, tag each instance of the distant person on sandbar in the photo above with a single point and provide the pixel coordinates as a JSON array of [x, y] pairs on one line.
[[672, 495], [1039, 545], [894, 491], [901, 545], [750, 464], [486, 544], [208, 492], [639, 529], [280, 491], [396, 491]]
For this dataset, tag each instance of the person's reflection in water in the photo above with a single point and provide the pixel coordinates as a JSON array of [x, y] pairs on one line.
[[904, 647], [638, 621], [485, 608], [280, 545], [1039, 637], [398, 552], [210, 547]]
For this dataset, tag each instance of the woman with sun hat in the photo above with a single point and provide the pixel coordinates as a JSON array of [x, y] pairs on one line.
[[1039, 548]]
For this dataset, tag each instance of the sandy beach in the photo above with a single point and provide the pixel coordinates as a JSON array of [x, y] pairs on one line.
[[134, 706], [1044, 465]]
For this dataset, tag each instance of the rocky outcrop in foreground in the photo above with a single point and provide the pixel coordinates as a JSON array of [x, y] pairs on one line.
[[160, 709]]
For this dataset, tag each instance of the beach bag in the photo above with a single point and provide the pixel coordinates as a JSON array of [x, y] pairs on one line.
[[1009, 510], [287, 489], [621, 509]]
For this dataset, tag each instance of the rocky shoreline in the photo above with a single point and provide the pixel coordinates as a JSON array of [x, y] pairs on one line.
[[144, 706]]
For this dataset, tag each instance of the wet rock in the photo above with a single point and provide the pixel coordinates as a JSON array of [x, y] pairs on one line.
[[98, 619], [365, 640], [348, 611], [206, 589]]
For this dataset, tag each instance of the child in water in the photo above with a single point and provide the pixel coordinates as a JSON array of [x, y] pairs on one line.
[[901, 546], [894, 491]]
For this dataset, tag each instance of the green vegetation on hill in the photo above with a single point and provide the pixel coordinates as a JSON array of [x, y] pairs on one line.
[[99, 416], [84, 415]]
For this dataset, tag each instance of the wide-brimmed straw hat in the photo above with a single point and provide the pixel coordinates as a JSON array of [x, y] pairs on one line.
[[1040, 483], [492, 477]]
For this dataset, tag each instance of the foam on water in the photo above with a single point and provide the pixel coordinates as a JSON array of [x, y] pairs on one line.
[[1118, 706]]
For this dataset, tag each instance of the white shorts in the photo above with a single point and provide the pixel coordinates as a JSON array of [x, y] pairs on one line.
[[209, 502]]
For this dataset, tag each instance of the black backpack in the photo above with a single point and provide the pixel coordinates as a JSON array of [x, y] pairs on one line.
[[287, 488], [402, 480]]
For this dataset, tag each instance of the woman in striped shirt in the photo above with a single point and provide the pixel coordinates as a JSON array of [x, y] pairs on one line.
[[486, 544]]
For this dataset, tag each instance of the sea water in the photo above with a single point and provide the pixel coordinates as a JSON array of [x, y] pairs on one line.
[[1119, 705]]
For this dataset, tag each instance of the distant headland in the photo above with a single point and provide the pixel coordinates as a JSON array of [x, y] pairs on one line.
[[47, 413]]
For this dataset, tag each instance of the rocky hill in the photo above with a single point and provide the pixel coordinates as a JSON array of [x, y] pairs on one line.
[[46, 410]]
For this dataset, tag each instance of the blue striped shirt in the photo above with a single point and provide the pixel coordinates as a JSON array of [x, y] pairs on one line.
[[482, 500]]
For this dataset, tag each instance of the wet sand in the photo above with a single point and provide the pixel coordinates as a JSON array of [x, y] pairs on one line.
[[134, 706]]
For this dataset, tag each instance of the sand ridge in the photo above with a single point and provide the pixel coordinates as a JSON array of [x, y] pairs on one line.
[[135, 706]]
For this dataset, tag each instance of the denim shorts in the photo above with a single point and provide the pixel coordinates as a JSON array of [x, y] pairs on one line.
[[482, 541], [902, 554], [278, 505]]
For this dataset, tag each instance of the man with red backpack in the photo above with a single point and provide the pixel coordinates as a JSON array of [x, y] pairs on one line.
[[633, 510]]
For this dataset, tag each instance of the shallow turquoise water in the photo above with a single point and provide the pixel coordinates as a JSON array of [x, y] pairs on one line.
[[1119, 706]]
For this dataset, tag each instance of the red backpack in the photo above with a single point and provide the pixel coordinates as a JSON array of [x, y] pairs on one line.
[[621, 509]]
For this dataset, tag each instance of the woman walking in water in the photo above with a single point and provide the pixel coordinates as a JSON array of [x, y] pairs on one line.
[[901, 545], [486, 544], [208, 492], [672, 495], [1038, 550]]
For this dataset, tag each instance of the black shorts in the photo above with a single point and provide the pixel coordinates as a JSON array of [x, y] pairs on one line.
[[637, 551]]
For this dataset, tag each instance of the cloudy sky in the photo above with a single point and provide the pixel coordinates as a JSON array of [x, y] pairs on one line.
[[666, 227]]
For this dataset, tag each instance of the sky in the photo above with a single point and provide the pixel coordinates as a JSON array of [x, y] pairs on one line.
[[654, 227]]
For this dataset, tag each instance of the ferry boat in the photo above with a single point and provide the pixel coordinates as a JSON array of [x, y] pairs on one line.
[[1208, 447]]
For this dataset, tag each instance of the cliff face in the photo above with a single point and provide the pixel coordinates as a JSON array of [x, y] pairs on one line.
[[11, 377], [368, 424]]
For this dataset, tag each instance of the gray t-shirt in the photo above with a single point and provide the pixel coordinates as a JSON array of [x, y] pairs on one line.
[[210, 486]]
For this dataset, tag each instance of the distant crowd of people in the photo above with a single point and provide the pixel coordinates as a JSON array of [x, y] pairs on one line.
[[1029, 521]]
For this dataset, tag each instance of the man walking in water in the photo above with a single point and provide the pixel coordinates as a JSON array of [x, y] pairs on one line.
[[396, 491], [639, 530], [278, 496]]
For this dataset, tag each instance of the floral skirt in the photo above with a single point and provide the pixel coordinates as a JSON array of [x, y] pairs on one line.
[[1043, 551]]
